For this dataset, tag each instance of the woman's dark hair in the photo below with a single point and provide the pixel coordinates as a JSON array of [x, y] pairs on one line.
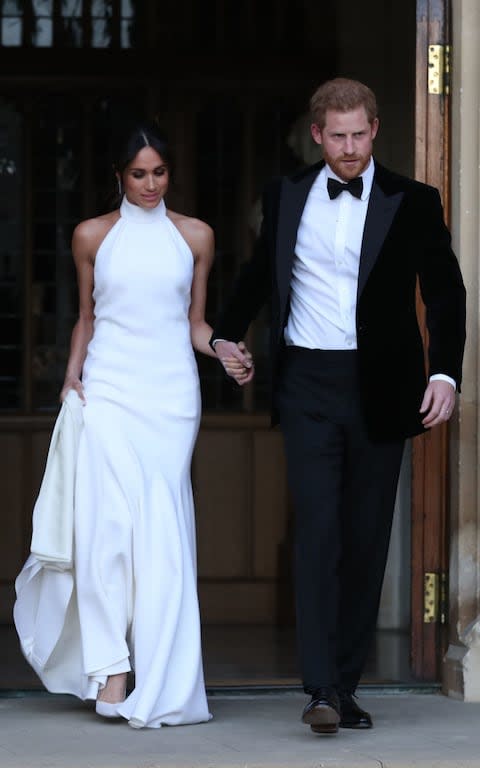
[[141, 135], [126, 145]]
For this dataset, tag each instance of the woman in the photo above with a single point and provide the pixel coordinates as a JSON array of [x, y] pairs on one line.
[[142, 277]]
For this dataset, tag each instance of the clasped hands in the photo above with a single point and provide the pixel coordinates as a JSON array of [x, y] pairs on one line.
[[236, 360]]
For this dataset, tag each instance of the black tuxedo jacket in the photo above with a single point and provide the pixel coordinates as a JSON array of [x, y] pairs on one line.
[[405, 239]]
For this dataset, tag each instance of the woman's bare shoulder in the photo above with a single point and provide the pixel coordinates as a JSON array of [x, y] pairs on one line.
[[89, 234], [97, 227], [191, 228]]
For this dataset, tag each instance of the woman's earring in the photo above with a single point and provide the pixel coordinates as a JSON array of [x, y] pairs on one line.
[[119, 187]]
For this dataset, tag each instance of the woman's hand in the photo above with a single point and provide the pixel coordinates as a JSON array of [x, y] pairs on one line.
[[72, 382]]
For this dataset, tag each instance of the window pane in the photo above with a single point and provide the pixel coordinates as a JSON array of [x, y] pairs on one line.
[[11, 259], [230, 178], [58, 196], [72, 8], [72, 32], [43, 33], [43, 7], [56, 171], [11, 8], [108, 23], [127, 9], [100, 8], [218, 193], [127, 30], [11, 31], [100, 33]]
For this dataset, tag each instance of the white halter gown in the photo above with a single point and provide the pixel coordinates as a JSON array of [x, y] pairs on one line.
[[135, 558]]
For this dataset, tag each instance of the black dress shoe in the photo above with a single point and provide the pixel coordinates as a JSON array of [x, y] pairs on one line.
[[322, 714], [351, 716]]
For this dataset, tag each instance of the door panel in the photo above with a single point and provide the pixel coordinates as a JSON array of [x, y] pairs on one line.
[[430, 452]]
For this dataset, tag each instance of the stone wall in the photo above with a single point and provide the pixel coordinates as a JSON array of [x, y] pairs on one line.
[[462, 661]]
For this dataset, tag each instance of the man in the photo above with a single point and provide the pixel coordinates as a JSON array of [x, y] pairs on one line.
[[342, 246]]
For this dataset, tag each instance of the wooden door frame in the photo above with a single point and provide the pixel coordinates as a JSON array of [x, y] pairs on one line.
[[430, 451]]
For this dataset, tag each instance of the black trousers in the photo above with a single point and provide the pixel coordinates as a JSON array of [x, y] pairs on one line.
[[344, 488]]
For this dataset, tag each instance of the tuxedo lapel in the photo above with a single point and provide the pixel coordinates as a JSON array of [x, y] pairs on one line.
[[382, 208], [293, 196]]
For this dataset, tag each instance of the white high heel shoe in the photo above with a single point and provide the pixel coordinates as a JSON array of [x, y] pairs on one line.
[[106, 709]]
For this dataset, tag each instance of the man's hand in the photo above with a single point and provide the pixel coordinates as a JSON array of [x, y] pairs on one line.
[[237, 360], [438, 403]]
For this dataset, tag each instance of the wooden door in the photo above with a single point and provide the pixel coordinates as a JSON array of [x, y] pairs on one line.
[[430, 452]]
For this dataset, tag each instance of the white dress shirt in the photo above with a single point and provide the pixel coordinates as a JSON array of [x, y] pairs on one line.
[[324, 280]]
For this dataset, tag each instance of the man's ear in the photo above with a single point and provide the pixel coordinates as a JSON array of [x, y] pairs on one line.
[[375, 124], [316, 133]]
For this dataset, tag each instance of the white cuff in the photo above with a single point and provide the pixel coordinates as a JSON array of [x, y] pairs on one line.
[[442, 377]]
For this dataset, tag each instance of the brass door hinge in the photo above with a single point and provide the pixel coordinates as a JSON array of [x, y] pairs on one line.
[[439, 69], [435, 598]]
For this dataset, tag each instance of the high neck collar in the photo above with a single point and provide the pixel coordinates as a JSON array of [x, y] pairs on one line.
[[130, 211]]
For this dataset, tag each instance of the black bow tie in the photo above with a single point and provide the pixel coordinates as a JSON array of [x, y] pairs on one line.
[[354, 186]]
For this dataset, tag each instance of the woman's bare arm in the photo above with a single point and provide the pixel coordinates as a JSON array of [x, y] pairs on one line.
[[200, 238], [86, 240]]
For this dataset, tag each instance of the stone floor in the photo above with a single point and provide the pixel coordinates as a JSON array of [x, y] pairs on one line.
[[248, 731]]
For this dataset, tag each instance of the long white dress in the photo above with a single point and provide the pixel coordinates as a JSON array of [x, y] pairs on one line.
[[134, 600]]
